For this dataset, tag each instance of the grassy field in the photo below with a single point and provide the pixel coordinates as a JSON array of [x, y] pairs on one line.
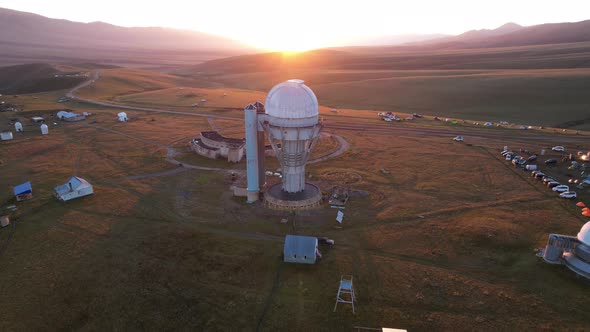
[[444, 240], [531, 97], [533, 85], [123, 81], [184, 98]]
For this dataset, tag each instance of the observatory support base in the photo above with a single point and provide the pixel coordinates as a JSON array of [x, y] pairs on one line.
[[252, 196], [277, 199]]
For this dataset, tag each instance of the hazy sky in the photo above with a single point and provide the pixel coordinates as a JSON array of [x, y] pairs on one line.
[[306, 24]]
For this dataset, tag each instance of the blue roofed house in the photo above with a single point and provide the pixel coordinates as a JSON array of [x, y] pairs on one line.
[[74, 188], [23, 191], [300, 249]]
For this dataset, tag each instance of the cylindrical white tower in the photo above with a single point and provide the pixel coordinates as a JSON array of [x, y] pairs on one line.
[[291, 120], [251, 120], [18, 127], [44, 129]]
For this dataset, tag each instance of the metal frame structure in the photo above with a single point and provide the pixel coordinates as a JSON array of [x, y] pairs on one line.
[[345, 292], [293, 154], [573, 252]]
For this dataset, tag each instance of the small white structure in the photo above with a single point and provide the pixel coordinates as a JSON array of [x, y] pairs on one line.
[[4, 221], [488, 124], [300, 249], [44, 129], [74, 188], [122, 117], [345, 292], [18, 127], [6, 136]]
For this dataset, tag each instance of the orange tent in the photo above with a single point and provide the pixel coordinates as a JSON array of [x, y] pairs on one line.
[[586, 213], [585, 209], [581, 204]]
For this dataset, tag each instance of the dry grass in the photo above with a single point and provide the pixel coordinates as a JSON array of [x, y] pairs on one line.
[[123, 81], [534, 96], [445, 241]]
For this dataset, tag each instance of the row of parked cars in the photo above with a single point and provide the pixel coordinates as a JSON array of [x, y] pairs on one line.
[[563, 190]]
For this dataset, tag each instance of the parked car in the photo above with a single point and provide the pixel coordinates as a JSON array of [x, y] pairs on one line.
[[552, 184], [505, 152], [535, 172], [539, 175], [458, 139], [558, 148], [568, 194], [547, 179], [515, 161], [561, 188], [532, 158], [550, 161]]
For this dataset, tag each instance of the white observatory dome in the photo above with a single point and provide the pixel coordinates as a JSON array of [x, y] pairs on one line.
[[291, 100], [584, 234]]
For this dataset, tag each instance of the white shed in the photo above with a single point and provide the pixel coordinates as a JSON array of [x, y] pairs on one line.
[[300, 249], [5, 136], [44, 129], [18, 127], [74, 188], [122, 117]]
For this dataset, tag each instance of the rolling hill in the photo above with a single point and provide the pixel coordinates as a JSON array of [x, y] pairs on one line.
[[513, 35], [37, 77], [539, 79], [27, 37]]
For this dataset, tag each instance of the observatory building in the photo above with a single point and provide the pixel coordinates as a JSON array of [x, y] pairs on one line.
[[290, 122], [212, 145], [571, 251]]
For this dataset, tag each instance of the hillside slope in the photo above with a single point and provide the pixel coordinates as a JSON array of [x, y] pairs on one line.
[[28, 37], [33, 78]]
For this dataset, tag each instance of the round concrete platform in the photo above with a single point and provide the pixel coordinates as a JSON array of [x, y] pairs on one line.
[[278, 199]]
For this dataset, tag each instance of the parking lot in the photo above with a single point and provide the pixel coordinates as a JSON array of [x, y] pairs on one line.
[[562, 171]]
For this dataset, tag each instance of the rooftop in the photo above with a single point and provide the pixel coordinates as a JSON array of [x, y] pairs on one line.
[[232, 142]]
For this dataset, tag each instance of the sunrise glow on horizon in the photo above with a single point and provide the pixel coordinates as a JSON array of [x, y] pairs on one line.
[[304, 24]]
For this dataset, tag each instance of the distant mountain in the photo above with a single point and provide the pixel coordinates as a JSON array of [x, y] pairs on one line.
[[394, 39], [29, 36], [486, 33], [551, 33], [512, 34]]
